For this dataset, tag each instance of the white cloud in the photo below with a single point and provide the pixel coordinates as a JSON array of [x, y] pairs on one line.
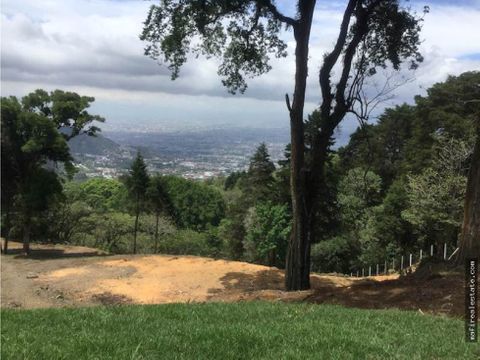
[[92, 46]]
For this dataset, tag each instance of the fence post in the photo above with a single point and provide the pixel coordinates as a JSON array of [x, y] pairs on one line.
[[401, 263], [410, 260], [370, 270], [421, 254], [393, 264], [363, 272], [377, 269], [357, 273], [445, 251], [431, 250], [386, 270]]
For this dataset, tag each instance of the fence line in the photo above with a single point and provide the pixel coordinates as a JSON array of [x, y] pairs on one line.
[[441, 254]]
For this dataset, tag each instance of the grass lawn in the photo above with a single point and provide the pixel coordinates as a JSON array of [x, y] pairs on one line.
[[257, 330]]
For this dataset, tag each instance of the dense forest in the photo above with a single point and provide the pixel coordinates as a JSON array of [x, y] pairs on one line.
[[398, 186]]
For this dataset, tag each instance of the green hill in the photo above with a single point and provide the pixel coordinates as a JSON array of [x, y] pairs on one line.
[[95, 145]]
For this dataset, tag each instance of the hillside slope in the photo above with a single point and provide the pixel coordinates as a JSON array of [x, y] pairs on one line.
[[76, 276]]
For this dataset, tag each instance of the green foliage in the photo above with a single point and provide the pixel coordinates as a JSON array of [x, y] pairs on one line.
[[64, 220], [66, 110], [231, 232], [242, 33], [245, 330], [30, 139], [30, 142], [153, 230], [157, 197], [358, 190], [137, 180], [394, 35], [32, 146], [100, 194], [195, 205], [259, 182], [243, 191], [232, 180], [187, 242], [334, 255], [282, 179], [109, 231], [267, 231], [396, 233], [381, 147], [436, 195], [447, 110]]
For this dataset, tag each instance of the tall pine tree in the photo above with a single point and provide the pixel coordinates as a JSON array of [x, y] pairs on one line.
[[260, 176]]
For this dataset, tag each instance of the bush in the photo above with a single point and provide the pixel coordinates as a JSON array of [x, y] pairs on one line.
[[267, 230], [101, 194], [194, 205], [110, 231], [185, 242], [333, 255], [146, 242]]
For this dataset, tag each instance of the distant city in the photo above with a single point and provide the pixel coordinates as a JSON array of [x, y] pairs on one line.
[[191, 154]]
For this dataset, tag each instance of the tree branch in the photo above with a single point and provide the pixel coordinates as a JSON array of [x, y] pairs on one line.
[[277, 14], [341, 105], [331, 59]]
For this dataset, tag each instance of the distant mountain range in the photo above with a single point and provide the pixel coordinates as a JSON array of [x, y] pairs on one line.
[[94, 145]]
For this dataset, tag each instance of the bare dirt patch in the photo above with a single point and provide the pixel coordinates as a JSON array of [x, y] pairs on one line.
[[57, 276]]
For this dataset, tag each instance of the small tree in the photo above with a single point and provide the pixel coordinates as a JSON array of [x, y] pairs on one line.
[[267, 230], [137, 184], [436, 195]]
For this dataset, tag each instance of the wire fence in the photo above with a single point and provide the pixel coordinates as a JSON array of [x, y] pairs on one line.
[[404, 262]]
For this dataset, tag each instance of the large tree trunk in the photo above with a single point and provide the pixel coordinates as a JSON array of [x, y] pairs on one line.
[[297, 269], [469, 242]]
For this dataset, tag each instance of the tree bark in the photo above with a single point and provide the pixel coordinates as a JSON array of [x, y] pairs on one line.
[[469, 242], [297, 269]]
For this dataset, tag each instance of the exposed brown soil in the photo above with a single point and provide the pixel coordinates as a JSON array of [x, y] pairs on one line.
[[57, 276]]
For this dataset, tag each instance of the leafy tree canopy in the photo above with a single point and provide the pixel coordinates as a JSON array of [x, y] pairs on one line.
[[244, 34], [67, 110]]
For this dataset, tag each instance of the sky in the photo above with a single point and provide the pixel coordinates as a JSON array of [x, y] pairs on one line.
[[92, 47]]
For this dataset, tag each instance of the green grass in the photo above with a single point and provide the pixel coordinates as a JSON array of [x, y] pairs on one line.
[[257, 330]]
